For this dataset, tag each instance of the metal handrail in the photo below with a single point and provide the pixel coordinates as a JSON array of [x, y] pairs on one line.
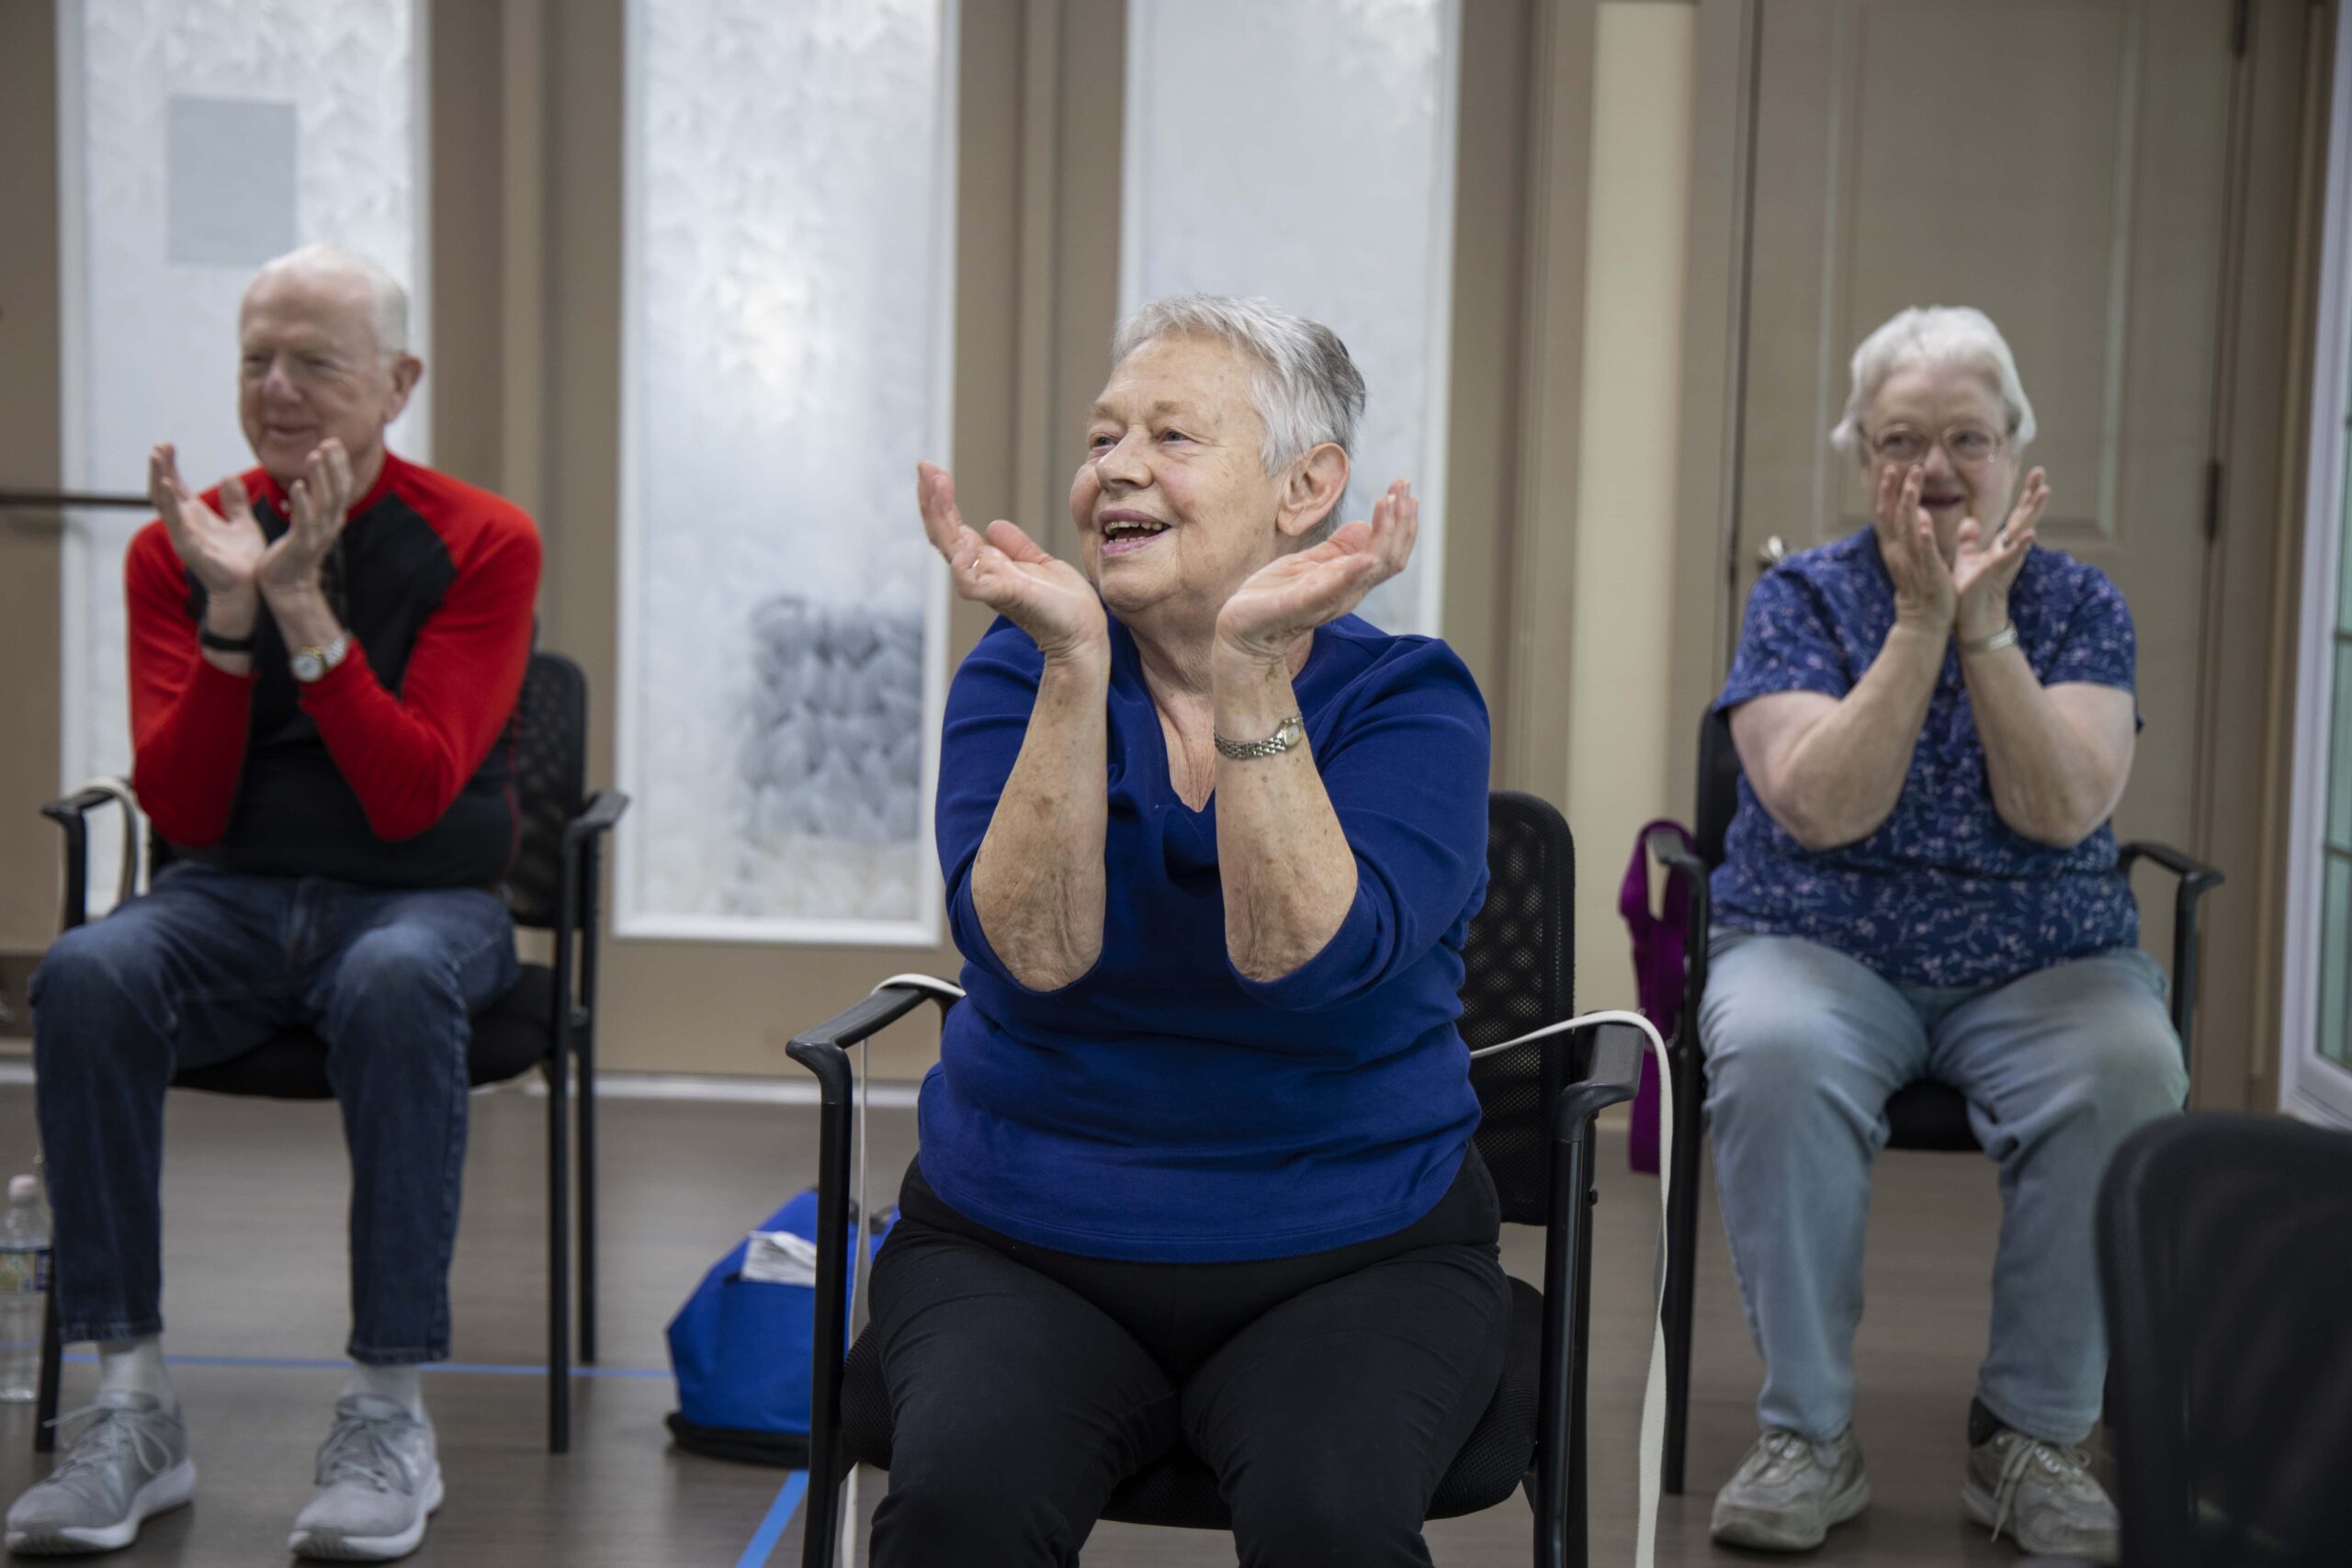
[[46, 500]]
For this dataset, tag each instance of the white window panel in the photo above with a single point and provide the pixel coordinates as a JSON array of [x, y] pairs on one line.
[[1304, 151], [789, 235], [2315, 1023], [197, 139]]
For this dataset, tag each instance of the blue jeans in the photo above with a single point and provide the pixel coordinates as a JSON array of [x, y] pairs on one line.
[[1806, 1044], [201, 969]]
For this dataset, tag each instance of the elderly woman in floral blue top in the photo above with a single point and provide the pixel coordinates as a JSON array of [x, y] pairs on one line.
[[1935, 721]]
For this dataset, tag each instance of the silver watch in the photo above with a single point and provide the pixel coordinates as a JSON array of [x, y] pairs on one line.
[[1288, 735], [309, 663]]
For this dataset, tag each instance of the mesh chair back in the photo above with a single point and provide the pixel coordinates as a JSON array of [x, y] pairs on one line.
[[1718, 786], [550, 735], [1519, 975], [2225, 1244]]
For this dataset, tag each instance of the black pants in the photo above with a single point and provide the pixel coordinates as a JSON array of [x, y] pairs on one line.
[[1330, 1393]]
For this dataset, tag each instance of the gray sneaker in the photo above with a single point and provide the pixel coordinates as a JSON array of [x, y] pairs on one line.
[[126, 1458], [378, 1483], [2041, 1494], [1788, 1492]]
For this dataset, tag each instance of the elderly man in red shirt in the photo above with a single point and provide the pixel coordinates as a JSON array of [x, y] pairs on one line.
[[325, 652]]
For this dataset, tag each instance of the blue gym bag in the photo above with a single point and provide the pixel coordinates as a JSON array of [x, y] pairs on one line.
[[742, 1348]]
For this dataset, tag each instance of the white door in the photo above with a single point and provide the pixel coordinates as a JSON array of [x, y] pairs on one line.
[[2058, 165]]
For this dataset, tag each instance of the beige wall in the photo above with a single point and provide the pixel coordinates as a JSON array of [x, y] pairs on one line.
[[1622, 612], [29, 458]]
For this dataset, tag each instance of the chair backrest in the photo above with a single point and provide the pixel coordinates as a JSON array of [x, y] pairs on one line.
[[1718, 800], [549, 734], [1519, 973], [2225, 1251]]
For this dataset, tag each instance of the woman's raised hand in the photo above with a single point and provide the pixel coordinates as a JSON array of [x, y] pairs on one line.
[[1004, 569], [1924, 595], [1289, 597], [1982, 570]]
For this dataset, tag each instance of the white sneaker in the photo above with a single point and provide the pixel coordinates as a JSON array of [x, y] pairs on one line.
[[127, 1459], [1788, 1492], [2041, 1494], [379, 1481]]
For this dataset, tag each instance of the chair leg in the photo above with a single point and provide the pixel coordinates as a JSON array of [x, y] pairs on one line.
[[559, 1260], [51, 1355], [1682, 1271], [821, 1530], [586, 1116]]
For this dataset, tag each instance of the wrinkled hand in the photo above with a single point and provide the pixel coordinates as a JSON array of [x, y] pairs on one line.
[[1983, 570], [1005, 570], [316, 504], [1287, 598], [1924, 595], [222, 548]]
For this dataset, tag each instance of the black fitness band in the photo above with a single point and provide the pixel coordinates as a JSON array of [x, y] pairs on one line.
[[213, 639]]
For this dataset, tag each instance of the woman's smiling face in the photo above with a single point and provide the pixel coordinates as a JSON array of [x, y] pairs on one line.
[[1948, 420], [1174, 506]]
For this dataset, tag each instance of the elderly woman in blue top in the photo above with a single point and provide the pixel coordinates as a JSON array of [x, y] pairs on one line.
[[1195, 1163], [1935, 721]]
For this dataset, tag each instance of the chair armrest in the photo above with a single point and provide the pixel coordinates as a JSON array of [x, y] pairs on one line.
[[604, 808], [1615, 1076], [2196, 880], [1697, 915], [824, 1050], [72, 815]]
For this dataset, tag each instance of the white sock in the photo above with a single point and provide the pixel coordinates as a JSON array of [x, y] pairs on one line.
[[135, 1366], [402, 1385]]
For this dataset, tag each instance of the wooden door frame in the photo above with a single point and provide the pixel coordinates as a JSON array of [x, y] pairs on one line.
[[2242, 750]]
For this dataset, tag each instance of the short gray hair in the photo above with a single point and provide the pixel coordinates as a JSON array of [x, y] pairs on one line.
[[1307, 391], [1957, 337], [388, 302]]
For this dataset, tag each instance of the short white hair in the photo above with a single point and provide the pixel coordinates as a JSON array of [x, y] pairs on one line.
[[1307, 390], [388, 302], [1952, 337]]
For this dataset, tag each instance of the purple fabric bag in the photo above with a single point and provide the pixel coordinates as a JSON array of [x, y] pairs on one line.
[[1659, 942]]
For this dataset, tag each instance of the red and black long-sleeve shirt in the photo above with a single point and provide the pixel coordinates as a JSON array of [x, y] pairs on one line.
[[396, 768]]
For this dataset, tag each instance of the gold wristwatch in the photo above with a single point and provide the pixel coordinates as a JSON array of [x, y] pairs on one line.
[[310, 664]]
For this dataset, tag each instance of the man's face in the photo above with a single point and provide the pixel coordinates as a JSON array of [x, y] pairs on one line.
[[310, 368]]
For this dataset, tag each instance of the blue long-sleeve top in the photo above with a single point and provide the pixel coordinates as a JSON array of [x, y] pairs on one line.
[[1163, 1107]]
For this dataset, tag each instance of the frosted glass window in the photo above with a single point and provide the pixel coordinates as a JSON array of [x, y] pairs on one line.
[[197, 139], [1304, 151], [789, 252]]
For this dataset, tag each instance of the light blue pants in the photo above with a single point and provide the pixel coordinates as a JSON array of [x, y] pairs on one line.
[[1806, 1044]]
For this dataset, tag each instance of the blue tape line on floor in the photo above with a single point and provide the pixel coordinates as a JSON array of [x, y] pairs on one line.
[[476, 1369], [780, 1512]]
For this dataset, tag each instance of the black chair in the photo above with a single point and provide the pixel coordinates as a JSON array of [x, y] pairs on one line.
[[2225, 1258], [1538, 1105], [1921, 1115], [548, 1021]]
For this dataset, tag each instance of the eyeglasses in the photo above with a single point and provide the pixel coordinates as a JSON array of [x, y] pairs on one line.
[[1967, 444]]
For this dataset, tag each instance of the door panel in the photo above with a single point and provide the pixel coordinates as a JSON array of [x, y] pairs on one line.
[[2062, 167]]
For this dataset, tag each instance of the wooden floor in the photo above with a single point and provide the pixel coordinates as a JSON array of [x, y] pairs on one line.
[[254, 1263]]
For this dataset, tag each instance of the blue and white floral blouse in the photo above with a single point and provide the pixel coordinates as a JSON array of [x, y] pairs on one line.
[[1942, 893]]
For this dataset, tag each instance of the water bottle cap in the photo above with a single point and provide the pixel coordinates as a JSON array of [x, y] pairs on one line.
[[23, 1186]]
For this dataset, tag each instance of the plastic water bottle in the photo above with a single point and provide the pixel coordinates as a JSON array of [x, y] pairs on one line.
[[24, 1289]]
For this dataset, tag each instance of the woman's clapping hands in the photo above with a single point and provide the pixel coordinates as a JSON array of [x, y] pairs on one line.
[[1005, 570], [1289, 597]]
